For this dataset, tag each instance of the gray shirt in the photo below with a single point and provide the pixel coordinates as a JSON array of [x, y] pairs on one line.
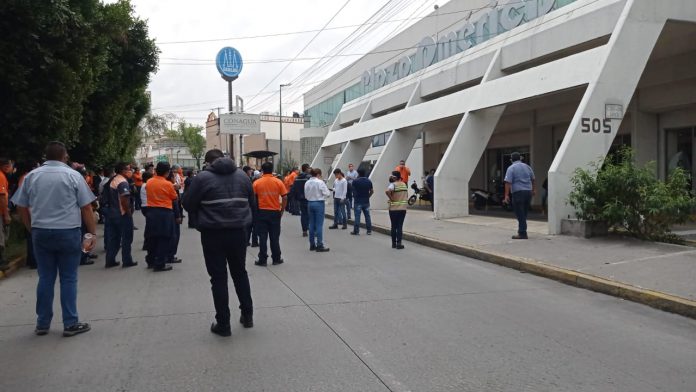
[[351, 175], [520, 176], [55, 193]]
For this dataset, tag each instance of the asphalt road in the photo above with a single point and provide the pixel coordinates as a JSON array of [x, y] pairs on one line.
[[362, 317]]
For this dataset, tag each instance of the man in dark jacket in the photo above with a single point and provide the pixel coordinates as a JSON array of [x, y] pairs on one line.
[[297, 192], [222, 200]]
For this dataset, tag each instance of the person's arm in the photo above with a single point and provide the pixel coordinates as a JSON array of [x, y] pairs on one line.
[[90, 225], [507, 192], [24, 216], [193, 195]]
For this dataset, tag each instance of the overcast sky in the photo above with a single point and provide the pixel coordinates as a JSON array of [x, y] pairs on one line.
[[188, 84]]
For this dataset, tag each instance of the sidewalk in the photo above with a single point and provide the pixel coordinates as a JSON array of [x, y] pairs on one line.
[[655, 274]]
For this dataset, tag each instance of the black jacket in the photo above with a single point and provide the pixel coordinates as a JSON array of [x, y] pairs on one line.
[[297, 189], [220, 197]]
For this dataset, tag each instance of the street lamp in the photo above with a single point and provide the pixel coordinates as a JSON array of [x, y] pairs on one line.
[[280, 120]]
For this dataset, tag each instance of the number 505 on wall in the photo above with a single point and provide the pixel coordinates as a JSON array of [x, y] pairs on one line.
[[595, 125]]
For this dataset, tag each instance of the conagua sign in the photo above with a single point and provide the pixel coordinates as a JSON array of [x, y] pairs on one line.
[[496, 20], [240, 123]]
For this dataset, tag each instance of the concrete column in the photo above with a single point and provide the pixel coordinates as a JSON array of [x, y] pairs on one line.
[[463, 154], [542, 156], [320, 158], [398, 147], [629, 49]]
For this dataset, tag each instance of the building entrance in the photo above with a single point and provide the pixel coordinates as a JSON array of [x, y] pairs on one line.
[[680, 151]]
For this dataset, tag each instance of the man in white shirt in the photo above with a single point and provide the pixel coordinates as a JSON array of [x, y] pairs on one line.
[[340, 191], [316, 192]]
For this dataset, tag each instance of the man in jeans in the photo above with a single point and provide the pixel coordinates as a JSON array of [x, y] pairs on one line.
[[362, 191], [519, 180], [340, 191], [271, 197], [60, 201], [298, 192], [222, 200], [351, 175]]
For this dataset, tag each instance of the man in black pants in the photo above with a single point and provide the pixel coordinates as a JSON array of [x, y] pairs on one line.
[[298, 193], [222, 200], [271, 197]]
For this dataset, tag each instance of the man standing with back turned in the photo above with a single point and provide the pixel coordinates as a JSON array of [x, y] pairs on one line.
[[222, 200], [269, 191], [60, 200], [519, 179]]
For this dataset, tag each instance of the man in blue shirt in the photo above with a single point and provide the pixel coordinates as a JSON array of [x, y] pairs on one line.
[[59, 199], [362, 191], [519, 180]]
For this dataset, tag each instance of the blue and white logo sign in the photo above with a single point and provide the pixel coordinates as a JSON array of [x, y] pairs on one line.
[[229, 63]]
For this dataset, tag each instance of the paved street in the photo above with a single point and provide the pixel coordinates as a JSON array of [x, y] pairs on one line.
[[362, 317]]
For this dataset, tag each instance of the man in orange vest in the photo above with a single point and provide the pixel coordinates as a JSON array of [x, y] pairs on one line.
[[404, 171], [271, 195], [138, 183]]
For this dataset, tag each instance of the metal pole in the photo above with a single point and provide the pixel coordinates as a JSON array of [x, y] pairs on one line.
[[280, 121], [229, 138]]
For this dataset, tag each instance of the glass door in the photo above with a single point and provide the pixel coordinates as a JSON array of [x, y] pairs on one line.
[[680, 150]]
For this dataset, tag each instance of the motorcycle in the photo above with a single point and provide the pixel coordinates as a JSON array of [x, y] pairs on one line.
[[483, 198], [420, 193]]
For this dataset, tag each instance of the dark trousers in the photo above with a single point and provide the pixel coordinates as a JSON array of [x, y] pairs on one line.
[[397, 225], [138, 202], [222, 248], [120, 233], [268, 226], [159, 231], [252, 235], [520, 204], [304, 215], [174, 243], [31, 260]]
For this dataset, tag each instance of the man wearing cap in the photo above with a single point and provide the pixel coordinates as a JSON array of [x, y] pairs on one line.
[[519, 181]]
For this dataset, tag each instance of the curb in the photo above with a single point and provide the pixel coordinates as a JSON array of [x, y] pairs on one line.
[[15, 264], [655, 299]]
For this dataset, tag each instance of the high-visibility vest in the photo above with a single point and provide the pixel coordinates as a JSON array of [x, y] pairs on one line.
[[399, 199]]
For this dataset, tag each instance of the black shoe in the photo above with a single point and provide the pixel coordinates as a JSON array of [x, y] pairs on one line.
[[399, 246], [162, 268], [76, 329], [86, 262], [322, 249], [40, 331], [344, 227], [247, 321], [260, 263], [312, 247], [276, 262], [92, 256], [111, 265], [520, 237], [175, 260], [222, 330], [149, 266], [354, 233], [393, 245], [304, 234], [133, 264], [334, 227]]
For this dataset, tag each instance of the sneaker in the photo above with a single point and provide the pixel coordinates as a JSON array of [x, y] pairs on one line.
[[276, 262], [312, 248], [41, 331], [399, 246], [260, 263], [162, 268], [322, 249], [222, 330], [344, 227], [369, 233], [175, 260], [247, 321], [76, 329], [393, 245], [92, 256]]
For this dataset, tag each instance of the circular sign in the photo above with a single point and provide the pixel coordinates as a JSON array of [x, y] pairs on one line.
[[229, 63]]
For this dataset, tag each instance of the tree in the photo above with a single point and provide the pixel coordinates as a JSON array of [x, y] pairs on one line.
[[75, 71], [191, 135]]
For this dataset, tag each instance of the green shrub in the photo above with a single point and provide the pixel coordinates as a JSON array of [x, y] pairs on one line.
[[624, 195]]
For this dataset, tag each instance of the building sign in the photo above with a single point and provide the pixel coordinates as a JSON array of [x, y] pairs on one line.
[[492, 22], [240, 123], [229, 63]]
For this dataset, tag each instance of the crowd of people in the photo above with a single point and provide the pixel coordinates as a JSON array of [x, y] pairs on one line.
[[60, 205]]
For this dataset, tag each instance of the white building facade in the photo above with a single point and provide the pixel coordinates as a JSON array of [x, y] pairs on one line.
[[560, 81]]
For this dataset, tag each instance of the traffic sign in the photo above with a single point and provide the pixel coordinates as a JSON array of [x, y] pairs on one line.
[[229, 63]]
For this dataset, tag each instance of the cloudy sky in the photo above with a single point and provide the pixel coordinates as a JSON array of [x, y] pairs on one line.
[[266, 32]]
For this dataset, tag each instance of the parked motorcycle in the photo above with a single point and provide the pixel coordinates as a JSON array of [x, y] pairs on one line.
[[420, 193], [483, 198]]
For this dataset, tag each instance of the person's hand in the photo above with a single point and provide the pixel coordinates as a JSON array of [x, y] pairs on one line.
[[88, 242], [533, 192], [179, 220], [507, 199]]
